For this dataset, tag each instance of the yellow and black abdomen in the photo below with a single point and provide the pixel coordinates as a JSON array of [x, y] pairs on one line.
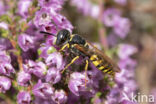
[[102, 64]]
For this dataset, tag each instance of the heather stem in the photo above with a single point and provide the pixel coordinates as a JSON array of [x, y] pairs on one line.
[[102, 31], [19, 58]]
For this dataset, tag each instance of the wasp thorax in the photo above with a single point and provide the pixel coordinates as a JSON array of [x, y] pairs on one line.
[[62, 37]]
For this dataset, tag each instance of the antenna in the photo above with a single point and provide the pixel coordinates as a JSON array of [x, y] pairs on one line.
[[43, 32]]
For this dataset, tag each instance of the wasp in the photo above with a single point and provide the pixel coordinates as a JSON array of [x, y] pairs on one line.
[[79, 47]]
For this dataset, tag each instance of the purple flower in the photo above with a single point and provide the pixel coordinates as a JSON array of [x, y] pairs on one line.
[[5, 44], [6, 69], [53, 76], [122, 2], [39, 100], [77, 83], [55, 60], [24, 97], [5, 84], [43, 90], [126, 50], [23, 78], [49, 20], [4, 58], [25, 42], [29, 66], [60, 97], [23, 6], [45, 50], [36, 68], [110, 15], [43, 17], [40, 69], [122, 27]]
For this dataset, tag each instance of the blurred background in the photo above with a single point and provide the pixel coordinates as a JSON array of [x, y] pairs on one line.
[[142, 14]]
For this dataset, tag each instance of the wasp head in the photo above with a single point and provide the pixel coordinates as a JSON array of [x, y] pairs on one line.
[[62, 37]]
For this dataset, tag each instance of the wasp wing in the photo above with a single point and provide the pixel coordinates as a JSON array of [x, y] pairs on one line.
[[92, 49]]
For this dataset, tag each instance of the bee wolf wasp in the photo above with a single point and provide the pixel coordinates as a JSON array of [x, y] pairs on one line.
[[77, 46]]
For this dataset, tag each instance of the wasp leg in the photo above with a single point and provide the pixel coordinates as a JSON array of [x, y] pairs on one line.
[[66, 45], [77, 57], [86, 68]]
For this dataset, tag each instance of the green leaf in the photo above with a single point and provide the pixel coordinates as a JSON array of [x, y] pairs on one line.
[[51, 50], [6, 18], [4, 33]]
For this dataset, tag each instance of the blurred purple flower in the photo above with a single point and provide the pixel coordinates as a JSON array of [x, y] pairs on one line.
[[77, 83], [115, 96], [89, 9], [23, 6], [25, 42], [130, 87], [127, 64], [110, 16], [24, 97], [6, 69], [2, 8], [112, 39], [122, 2], [128, 102], [53, 4], [55, 60], [126, 50], [36, 68], [80, 5], [153, 93], [60, 97], [4, 25], [95, 10], [122, 27], [23, 78], [43, 90], [5, 84], [53, 76]]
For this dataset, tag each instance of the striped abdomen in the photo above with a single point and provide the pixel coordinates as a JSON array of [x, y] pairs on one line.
[[102, 64]]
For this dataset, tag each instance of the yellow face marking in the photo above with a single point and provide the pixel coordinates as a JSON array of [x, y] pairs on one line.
[[93, 57]]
